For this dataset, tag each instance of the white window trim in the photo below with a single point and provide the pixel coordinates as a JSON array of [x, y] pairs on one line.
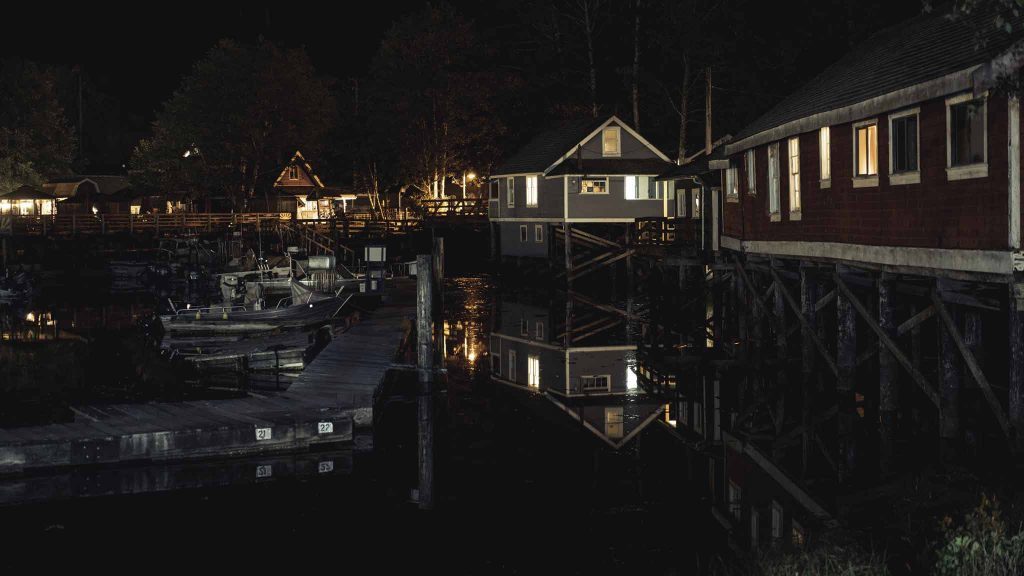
[[524, 235], [904, 177], [533, 371], [637, 179], [607, 184], [751, 169], [495, 191], [510, 192], [778, 510], [825, 159], [538, 330], [538, 233], [618, 142], [607, 379], [774, 184], [977, 170], [864, 181], [794, 214], [531, 201]]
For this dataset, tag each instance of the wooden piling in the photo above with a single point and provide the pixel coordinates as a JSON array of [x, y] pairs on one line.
[[808, 351], [846, 359], [1016, 372], [949, 390], [888, 399], [425, 362]]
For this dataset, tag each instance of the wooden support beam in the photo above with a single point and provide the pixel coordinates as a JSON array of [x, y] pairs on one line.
[[972, 364], [812, 334], [918, 378], [911, 323], [1015, 380], [825, 301], [888, 391], [600, 264]]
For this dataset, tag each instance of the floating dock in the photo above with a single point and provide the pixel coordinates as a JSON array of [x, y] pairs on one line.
[[329, 403]]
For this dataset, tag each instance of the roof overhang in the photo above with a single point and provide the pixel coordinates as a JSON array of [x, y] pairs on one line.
[[597, 131]]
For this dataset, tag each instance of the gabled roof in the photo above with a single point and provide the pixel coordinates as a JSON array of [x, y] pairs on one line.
[[26, 193], [298, 160], [549, 148], [67, 186], [925, 48]]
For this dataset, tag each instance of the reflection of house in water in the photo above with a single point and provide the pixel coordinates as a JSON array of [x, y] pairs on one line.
[[591, 378]]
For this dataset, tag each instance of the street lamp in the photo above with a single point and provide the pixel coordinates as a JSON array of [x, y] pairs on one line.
[[466, 177]]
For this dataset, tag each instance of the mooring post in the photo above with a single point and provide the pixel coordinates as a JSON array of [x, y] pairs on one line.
[[425, 374], [1016, 372], [888, 399], [846, 360]]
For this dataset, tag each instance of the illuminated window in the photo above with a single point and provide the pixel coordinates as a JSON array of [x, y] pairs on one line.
[[136, 209], [732, 185], [638, 188], [773, 180], [751, 167], [531, 191], [522, 233], [865, 149], [794, 177], [695, 204], [825, 153], [594, 186], [510, 192], [798, 534], [533, 371], [966, 147], [538, 233], [613, 422], [611, 141]]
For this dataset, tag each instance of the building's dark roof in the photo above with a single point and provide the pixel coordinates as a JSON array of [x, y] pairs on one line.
[[697, 166], [920, 49], [26, 193], [603, 166], [548, 147]]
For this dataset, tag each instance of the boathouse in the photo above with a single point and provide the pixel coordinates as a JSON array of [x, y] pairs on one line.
[[301, 193], [595, 176]]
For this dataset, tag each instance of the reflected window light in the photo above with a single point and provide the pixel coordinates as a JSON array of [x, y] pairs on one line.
[[631, 383]]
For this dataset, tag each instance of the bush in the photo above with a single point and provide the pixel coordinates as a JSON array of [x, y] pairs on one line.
[[830, 556], [981, 545]]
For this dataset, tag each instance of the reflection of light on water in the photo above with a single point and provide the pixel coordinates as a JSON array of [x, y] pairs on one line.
[[631, 383]]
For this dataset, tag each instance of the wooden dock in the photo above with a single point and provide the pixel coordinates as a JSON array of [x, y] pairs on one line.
[[327, 404]]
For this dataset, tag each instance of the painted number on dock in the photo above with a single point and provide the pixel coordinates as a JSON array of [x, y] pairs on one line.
[[326, 466], [263, 434], [325, 428], [265, 471]]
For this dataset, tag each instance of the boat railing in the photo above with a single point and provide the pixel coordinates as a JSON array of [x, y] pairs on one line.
[[210, 310]]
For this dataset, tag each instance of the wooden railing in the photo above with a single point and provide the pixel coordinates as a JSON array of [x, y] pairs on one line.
[[654, 231], [111, 223], [447, 207]]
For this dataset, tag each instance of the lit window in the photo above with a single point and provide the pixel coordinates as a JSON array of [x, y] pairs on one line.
[[751, 165], [538, 233], [533, 371], [865, 150], [825, 152], [510, 192], [773, 179], [695, 204], [798, 534], [732, 185], [610, 141], [522, 233], [613, 422], [136, 209], [531, 191], [638, 188], [594, 186], [966, 150], [794, 176], [903, 143]]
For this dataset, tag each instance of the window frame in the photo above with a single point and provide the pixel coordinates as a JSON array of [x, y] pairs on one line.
[[732, 185], [607, 382], [793, 180], [602, 178], [496, 362], [494, 191], [825, 157], [533, 371], [910, 176], [538, 330], [638, 180], [735, 500], [865, 180], [538, 233], [966, 171], [618, 142], [750, 164], [774, 183], [531, 199], [511, 365], [293, 172], [695, 203], [524, 235], [778, 520], [510, 192]]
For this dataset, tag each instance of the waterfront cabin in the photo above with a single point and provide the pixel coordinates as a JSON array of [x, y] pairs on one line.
[[85, 194], [301, 193], [588, 172], [903, 153], [26, 201]]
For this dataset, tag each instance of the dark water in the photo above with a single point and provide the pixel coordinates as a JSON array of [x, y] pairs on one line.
[[532, 476]]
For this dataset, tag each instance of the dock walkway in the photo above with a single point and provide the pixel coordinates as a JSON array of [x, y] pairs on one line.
[[332, 398]]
